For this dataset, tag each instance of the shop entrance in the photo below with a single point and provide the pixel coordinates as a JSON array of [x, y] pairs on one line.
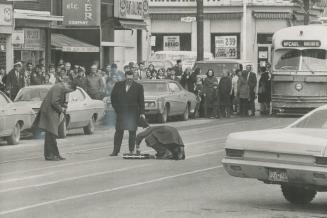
[[264, 55]]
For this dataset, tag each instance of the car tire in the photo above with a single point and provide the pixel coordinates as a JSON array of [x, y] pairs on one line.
[[89, 129], [163, 117], [15, 136], [298, 195], [186, 113], [62, 129]]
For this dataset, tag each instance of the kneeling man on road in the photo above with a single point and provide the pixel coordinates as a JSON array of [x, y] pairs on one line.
[[51, 115], [165, 140]]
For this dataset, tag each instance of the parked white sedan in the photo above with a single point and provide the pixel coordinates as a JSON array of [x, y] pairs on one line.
[[82, 111], [294, 157]]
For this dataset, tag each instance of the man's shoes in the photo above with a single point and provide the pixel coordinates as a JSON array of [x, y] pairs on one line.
[[166, 156], [61, 158], [52, 158], [113, 154]]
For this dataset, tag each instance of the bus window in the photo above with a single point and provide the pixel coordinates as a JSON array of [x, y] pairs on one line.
[[314, 60], [287, 59]]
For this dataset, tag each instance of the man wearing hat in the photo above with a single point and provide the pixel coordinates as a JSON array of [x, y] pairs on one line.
[[51, 115], [127, 99], [15, 80]]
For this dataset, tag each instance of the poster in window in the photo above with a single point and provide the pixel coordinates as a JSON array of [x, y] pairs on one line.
[[171, 43], [225, 46]]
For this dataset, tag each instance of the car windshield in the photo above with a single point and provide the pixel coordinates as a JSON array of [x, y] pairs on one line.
[[301, 60], [316, 120], [218, 68], [155, 87], [32, 94]]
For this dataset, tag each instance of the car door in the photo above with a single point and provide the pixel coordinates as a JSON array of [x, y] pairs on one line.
[[3, 108], [77, 109], [175, 98]]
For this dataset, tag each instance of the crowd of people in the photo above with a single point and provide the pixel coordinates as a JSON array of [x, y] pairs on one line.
[[235, 92]]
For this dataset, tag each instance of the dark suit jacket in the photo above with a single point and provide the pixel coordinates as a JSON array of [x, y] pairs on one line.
[[252, 81], [14, 83], [53, 105], [127, 105]]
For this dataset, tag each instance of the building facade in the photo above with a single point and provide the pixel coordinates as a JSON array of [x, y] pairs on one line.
[[231, 30], [6, 30]]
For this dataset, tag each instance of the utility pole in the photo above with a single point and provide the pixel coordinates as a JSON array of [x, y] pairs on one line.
[[244, 34], [199, 25], [306, 7]]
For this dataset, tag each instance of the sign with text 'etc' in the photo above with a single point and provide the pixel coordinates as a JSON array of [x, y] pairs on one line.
[[81, 12]]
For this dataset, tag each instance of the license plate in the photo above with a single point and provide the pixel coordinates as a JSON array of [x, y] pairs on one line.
[[277, 175]]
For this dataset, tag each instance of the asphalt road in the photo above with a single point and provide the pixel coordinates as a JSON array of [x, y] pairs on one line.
[[92, 184]]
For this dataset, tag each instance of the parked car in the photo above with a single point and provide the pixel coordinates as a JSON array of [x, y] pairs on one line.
[[13, 119], [221, 65], [294, 157], [163, 99], [82, 111]]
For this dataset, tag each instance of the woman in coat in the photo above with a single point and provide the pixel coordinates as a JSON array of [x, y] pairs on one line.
[[208, 92], [225, 89], [264, 92]]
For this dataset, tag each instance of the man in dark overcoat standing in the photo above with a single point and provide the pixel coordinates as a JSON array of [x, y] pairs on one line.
[[252, 81], [15, 80], [51, 115], [127, 99]]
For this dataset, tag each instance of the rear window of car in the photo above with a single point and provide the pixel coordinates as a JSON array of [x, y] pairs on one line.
[[218, 68], [155, 87], [32, 94], [317, 120]]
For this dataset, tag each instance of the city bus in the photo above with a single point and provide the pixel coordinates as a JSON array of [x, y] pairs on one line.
[[299, 69]]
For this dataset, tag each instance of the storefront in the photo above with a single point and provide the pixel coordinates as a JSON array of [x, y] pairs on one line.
[[125, 33], [6, 29], [227, 32]]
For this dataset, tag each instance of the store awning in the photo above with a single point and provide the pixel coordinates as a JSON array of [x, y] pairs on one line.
[[68, 44], [36, 15], [129, 24], [272, 15], [211, 16]]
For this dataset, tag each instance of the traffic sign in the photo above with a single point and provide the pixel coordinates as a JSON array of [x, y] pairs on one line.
[[188, 19]]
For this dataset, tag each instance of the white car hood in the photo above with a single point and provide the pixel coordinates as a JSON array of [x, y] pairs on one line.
[[300, 141]]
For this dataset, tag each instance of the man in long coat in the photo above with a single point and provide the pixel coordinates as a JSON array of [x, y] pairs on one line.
[[127, 99], [252, 81], [165, 140], [225, 89], [51, 115], [15, 80]]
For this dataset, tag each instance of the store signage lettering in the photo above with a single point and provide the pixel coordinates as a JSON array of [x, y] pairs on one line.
[[171, 43], [18, 37], [131, 9], [80, 49], [226, 47], [81, 12], [6, 15], [168, 3], [301, 43]]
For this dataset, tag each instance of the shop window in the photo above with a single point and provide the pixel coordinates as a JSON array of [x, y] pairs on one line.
[[226, 45], [172, 41], [3, 40], [264, 38]]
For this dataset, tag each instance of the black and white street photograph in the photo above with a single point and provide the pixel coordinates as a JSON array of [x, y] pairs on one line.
[[163, 108]]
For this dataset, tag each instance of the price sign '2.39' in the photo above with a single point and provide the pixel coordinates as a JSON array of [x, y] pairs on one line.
[[225, 46]]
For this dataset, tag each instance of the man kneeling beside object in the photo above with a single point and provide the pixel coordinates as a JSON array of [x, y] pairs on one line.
[[165, 140]]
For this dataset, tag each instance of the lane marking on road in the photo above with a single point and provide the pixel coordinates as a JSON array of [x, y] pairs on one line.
[[98, 174], [74, 178], [25, 178], [99, 159], [89, 194]]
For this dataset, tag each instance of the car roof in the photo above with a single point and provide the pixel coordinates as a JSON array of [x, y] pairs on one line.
[[155, 81]]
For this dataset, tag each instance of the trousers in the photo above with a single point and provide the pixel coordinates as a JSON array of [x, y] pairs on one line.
[[50, 145], [118, 138]]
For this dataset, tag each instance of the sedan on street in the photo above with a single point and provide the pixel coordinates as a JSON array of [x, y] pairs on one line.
[[13, 119], [82, 111], [294, 157]]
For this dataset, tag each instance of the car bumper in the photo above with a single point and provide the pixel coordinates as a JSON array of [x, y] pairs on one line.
[[152, 111], [298, 174]]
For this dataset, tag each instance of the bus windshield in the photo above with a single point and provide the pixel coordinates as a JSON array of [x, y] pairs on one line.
[[300, 60]]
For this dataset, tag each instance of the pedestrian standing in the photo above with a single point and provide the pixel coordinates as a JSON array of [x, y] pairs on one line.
[[127, 99], [235, 99], [216, 101], [179, 68], [243, 93], [15, 80], [264, 92], [2, 76], [188, 80], [27, 74], [51, 115], [116, 74], [52, 74], [225, 88], [252, 80], [94, 84], [208, 92], [36, 77], [142, 70]]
